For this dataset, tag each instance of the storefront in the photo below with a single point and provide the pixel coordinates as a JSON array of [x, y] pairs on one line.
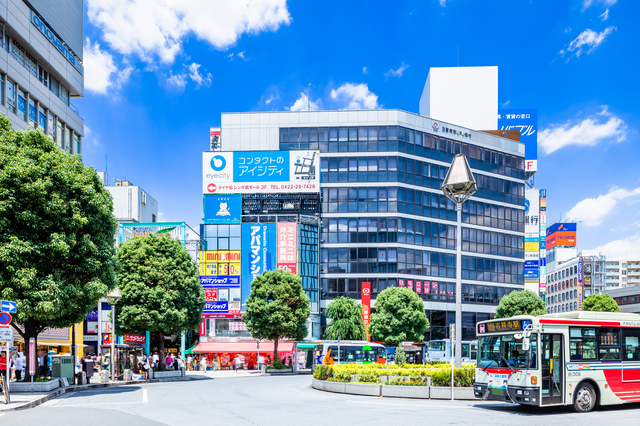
[[251, 350]]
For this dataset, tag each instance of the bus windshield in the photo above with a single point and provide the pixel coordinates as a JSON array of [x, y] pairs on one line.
[[437, 345], [506, 351]]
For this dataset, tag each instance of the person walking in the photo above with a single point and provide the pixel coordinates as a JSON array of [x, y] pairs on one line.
[[238, 362], [216, 363], [98, 364], [203, 364], [3, 366]]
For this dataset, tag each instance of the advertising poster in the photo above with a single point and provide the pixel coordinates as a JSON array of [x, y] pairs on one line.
[[366, 305], [525, 120], [223, 208], [215, 141], [580, 285], [287, 247], [418, 287], [220, 268], [177, 230], [260, 172], [258, 252]]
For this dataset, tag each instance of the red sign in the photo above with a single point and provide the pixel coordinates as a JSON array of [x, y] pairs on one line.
[[135, 338], [410, 284], [211, 187], [561, 238], [222, 316], [287, 258], [211, 294], [418, 286], [203, 328], [106, 339], [5, 318], [401, 283], [366, 305], [427, 287]]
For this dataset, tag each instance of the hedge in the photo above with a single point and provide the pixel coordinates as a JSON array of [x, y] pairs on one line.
[[416, 373]]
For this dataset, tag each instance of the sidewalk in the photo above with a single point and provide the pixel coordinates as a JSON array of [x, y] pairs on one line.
[[22, 401]]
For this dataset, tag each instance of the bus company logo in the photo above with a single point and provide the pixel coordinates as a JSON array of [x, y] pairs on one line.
[[481, 328], [435, 126], [365, 291], [212, 187], [218, 163]]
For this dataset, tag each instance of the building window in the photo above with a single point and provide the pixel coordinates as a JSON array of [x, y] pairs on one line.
[[22, 105], [11, 96], [32, 113], [59, 132], [51, 126], [42, 119]]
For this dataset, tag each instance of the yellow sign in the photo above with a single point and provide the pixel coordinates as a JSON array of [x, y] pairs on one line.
[[532, 246], [220, 256], [215, 269]]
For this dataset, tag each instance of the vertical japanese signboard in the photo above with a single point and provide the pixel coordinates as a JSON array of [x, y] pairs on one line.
[[532, 240], [287, 256], [366, 306], [543, 241], [580, 285], [526, 121], [258, 251]]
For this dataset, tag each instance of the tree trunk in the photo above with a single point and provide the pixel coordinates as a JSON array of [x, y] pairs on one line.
[[275, 350], [30, 330], [161, 362]]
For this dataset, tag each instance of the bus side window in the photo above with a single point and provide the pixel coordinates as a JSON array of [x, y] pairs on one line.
[[631, 344], [609, 346], [582, 343]]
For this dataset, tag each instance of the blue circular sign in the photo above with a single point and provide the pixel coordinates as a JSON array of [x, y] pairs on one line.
[[526, 206], [5, 318], [218, 163]]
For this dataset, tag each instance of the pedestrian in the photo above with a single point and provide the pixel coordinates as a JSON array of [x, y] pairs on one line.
[[268, 359], [18, 366], [203, 364], [189, 362], [176, 362], [260, 362], [3, 366], [145, 366], [168, 361], [238, 362], [301, 360], [98, 363], [216, 362], [43, 370]]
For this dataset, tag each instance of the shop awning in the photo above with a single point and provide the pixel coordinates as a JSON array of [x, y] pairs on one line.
[[190, 350], [304, 345], [48, 342], [241, 347]]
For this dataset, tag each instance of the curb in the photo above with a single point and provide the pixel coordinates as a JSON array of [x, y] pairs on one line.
[[78, 388]]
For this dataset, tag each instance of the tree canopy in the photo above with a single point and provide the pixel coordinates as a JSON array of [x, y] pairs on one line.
[[346, 320], [523, 302], [277, 308], [399, 317], [160, 288], [56, 232], [600, 303]]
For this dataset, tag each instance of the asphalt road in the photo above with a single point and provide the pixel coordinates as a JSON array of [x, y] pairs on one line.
[[289, 400]]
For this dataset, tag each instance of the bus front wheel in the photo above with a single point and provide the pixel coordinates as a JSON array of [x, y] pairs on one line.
[[585, 398]]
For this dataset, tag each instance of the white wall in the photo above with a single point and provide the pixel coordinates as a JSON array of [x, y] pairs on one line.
[[128, 208], [466, 96]]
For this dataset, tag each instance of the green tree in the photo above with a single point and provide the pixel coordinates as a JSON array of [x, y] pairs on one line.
[[600, 303], [56, 233], [346, 320], [523, 302], [400, 356], [160, 288], [399, 317], [277, 308]]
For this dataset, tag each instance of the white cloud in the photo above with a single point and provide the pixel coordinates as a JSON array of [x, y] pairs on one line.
[[588, 3], [588, 132], [355, 96], [605, 15], [364, 70], [304, 104], [192, 72], [588, 39], [443, 3], [626, 248], [100, 71], [156, 29], [241, 55], [566, 30], [230, 56], [271, 98], [396, 73], [200, 79], [592, 211]]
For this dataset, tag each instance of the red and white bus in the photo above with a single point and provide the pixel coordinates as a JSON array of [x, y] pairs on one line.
[[583, 359]]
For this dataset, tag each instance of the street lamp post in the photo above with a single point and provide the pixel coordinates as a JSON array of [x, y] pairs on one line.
[[458, 186], [112, 297]]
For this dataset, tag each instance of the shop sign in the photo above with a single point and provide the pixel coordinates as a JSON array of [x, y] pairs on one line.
[[216, 307], [401, 283], [135, 338], [287, 247], [259, 252], [220, 281], [418, 287], [223, 208], [366, 305], [221, 316], [410, 284], [211, 295]]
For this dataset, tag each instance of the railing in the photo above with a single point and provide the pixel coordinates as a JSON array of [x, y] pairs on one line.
[[74, 109]]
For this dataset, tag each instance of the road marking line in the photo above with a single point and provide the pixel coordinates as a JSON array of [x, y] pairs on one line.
[[144, 395], [417, 404]]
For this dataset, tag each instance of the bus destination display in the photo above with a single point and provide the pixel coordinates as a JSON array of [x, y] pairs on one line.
[[498, 326]]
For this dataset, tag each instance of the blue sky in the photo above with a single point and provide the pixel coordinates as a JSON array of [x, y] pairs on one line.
[[160, 72]]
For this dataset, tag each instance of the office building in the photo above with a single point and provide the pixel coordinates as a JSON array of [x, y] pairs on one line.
[[131, 203], [622, 273], [41, 68]]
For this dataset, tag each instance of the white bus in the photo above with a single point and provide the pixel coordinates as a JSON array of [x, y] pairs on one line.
[[440, 350], [349, 351], [583, 359]]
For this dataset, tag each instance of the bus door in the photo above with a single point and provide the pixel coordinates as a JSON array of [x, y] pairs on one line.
[[552, 369]]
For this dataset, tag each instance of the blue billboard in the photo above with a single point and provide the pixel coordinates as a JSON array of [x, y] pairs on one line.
[[216, 307], [562, 227], [531, 274], [525, 120], [258, 253], [222, 208], [220, 281]]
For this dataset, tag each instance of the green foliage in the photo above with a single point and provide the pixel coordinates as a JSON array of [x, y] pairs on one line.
[[56, 232], [600, 303], [400, 357], [277, 307], [523, 302], [405, 375], [346, 320], [399, 317], [160, 288]]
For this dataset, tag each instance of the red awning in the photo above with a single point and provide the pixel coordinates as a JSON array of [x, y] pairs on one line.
[[242, 347]]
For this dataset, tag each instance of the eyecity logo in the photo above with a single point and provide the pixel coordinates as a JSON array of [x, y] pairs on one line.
[[218, 163]]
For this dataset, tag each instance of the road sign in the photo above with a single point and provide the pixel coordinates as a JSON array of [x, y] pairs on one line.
[[6, 335], [8, 306], [5, 318]]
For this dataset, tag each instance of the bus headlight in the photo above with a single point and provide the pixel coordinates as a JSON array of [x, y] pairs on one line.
[[526, 393], [534, 380]]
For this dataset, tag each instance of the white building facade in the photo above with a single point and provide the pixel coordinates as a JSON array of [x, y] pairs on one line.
[[41, 68]]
